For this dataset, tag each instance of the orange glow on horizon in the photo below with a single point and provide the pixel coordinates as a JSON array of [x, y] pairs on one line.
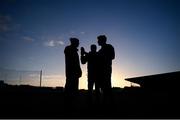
[[58, 80]]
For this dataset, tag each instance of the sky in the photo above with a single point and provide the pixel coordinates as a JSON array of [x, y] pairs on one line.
[[144, 33]]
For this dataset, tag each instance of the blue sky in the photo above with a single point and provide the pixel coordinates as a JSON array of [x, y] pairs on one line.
[[144, 33]]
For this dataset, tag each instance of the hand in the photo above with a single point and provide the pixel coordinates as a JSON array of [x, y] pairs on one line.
[[82, 51]]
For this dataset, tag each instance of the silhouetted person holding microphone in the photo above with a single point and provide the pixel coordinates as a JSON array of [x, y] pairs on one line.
[[91, 58], [106, 55], [72, 67]]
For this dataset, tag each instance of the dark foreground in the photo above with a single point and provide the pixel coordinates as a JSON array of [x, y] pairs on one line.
[[35, 102]]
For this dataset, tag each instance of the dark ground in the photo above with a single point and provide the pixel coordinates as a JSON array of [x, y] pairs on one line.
[[35, 102]]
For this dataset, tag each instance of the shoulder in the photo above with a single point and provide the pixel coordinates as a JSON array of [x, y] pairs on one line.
[[92, 53], [67, 48], [109, 46]]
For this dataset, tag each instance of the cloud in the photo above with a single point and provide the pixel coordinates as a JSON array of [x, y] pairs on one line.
[[54, 43], [4, 19], [34, 75], [4, 28], [60, 42], [72, 32], [28, 39], [5, 23], [49, 43], [82, 33], [53, 77]]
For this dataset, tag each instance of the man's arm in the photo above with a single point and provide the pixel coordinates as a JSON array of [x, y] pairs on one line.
[[113, 53]]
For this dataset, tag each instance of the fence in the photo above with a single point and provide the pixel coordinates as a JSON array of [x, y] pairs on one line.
[[21, 77]]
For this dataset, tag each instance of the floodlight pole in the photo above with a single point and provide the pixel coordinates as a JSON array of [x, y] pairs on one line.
[[20, 79], [40, 77]]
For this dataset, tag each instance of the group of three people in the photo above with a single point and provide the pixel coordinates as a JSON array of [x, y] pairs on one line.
[[99, 64]]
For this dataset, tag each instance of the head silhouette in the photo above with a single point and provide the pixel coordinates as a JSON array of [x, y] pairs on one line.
[[102, 40], [93, 48], [74, 42]]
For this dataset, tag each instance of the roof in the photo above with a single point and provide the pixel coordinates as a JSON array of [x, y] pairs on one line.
[[166, 79]]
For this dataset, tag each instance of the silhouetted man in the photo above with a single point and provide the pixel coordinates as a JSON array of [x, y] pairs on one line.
[[91, 59], [73, 70], [106, 55]]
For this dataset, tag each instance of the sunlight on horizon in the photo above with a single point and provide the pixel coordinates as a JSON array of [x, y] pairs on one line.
[[59, 80]]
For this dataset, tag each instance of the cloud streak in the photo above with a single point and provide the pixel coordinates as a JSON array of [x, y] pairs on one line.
[[28, 39], [53, 77], [53, 43], [82, 33]]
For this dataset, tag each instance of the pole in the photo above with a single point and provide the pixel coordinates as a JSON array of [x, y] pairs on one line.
[[20, 79], [40, 77]]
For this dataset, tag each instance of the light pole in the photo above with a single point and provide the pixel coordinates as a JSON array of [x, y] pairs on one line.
[[40, 78]]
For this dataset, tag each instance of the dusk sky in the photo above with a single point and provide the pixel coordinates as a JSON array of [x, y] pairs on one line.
[[144, 33]]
